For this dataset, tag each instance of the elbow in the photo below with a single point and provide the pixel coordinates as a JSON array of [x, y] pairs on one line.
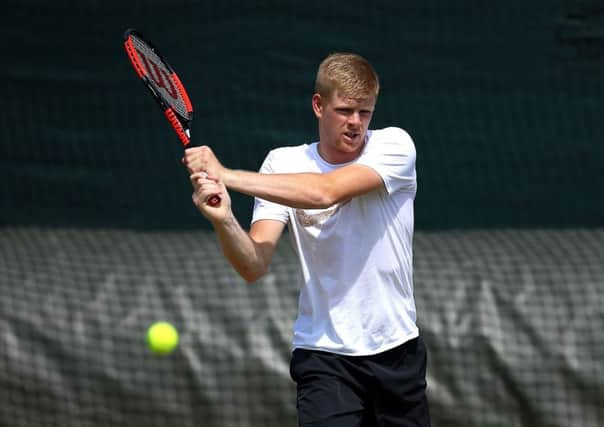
[[255, 264], [250, 278], [252, 275], [322, 199], [324, 203], [326, 193]]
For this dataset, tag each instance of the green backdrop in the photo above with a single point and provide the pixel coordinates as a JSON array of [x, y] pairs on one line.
[[504, 101], [98, 236]]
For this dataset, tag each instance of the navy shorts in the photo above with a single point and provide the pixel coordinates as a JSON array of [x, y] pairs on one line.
[[385, 389]]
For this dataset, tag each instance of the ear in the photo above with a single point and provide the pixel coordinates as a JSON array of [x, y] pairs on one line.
[[317, 105]]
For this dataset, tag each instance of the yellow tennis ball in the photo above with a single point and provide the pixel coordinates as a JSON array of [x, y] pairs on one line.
[[162, 338]]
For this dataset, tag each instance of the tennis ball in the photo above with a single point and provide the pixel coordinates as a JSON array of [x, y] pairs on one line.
[[162, 338]]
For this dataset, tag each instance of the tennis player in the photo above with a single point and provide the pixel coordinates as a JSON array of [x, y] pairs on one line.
[[358, 358]]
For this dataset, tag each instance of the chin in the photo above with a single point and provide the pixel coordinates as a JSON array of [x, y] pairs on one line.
[[351, 146]]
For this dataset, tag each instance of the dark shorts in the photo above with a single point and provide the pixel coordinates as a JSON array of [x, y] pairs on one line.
[[386, 389]]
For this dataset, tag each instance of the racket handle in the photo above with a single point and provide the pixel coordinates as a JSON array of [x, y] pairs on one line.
[[214, 200]]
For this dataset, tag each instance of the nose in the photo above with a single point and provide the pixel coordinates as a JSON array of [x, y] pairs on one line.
[[354, 118]]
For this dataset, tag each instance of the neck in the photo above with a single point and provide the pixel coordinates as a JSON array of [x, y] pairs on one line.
[[335, 157]]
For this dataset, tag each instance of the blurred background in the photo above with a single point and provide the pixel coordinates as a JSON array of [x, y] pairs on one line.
[[99, 238]]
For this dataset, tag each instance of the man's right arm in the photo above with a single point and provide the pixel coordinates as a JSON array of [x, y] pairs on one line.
[[250, 252]]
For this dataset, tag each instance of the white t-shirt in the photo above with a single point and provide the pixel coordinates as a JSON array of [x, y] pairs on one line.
[[356, 297]]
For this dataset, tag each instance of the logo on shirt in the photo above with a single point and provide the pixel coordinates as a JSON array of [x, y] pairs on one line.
[[312, 217]]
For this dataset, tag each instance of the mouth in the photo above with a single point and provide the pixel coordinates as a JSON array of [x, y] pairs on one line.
[[352, 135]]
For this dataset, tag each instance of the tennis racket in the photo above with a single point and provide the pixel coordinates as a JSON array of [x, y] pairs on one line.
[[165, 86]]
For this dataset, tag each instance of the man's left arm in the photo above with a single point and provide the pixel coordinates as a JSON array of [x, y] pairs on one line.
[[306, 190], [297, 190]]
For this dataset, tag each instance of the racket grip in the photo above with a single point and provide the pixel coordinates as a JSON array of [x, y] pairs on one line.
[[214, 200]]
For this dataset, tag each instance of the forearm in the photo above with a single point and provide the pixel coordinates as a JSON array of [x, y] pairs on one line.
[[240, 250], [298, 190]]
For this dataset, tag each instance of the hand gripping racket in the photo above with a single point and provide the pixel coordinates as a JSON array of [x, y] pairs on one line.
[[165, 86]]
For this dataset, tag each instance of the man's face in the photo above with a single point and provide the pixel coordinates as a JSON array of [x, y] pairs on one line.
[[343, 124]]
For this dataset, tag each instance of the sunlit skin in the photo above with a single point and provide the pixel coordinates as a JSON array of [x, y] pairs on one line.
[[343, 124]]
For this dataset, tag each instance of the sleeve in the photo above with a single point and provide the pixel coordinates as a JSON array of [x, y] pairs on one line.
[[391, 154], [263, 209]]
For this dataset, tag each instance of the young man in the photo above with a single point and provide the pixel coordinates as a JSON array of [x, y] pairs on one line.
[[358, 359]]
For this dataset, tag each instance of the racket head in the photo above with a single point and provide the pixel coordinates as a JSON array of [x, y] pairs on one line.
[[165, 86], [161, 80]]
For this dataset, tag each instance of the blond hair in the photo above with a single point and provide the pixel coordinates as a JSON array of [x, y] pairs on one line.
[[348, 73]]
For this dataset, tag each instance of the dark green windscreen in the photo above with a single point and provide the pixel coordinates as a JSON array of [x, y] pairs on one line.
[[504, 100]]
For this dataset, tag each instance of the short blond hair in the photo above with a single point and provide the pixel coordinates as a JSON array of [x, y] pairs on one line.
[[348, 73]]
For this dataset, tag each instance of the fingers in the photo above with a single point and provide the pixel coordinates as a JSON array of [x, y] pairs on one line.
[[198, 176], [200, 180], [205, 176], [202, 177], [197, 159], [204, 187]]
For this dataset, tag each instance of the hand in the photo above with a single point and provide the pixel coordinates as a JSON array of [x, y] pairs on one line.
[[206, 186], [202, 159]]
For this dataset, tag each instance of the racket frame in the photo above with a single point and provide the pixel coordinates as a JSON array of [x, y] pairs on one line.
[[181, 125]]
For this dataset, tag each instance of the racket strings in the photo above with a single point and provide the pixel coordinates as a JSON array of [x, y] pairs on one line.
[[160, 77]]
